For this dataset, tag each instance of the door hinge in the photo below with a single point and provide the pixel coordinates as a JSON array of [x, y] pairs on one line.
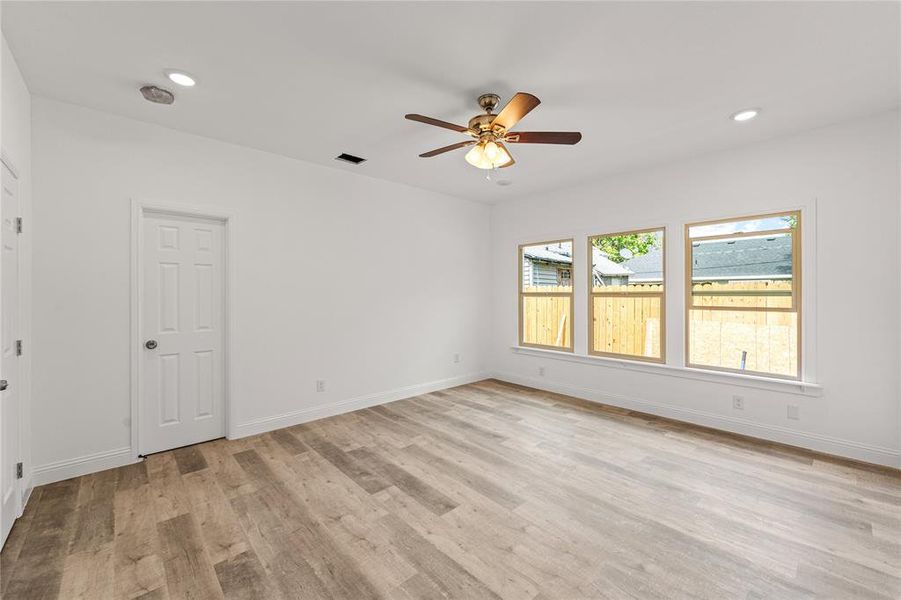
[[18, 224], [18, 470], [18, 347]]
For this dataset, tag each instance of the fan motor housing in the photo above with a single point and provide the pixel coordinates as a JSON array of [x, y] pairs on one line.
[[481, 123]]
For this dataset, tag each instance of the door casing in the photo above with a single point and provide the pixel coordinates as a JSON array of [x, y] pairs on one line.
[[139, 210], [18, 494]]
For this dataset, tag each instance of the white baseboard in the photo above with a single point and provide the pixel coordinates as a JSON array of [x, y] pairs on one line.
[[82, 465], [100, 461], [27, 487], [879, 455], [344, 406]]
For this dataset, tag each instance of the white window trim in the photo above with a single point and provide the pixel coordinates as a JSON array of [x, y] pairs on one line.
[[791, 386]]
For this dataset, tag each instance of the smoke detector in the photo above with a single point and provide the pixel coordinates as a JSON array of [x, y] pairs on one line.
[[157, 95]]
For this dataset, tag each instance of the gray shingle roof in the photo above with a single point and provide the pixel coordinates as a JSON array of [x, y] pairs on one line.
[[743, 258], [646, 267], [763, 257]]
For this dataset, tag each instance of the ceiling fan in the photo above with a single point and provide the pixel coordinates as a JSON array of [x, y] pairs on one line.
[[490, 131]]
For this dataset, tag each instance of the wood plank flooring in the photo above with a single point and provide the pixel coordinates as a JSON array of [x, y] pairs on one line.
[[482, 491]]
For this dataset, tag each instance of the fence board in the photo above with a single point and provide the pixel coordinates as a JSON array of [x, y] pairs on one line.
[[629, 323]]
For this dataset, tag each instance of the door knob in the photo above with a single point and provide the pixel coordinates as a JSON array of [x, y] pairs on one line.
[[3, 385], [150, 344]]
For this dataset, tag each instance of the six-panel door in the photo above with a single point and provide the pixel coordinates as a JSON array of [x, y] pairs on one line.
[[183, 298]]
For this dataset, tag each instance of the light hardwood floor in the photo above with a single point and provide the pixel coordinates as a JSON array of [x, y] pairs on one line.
[[482, 491]]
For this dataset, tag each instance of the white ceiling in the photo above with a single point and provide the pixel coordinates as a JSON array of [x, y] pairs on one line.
[[644, 82]]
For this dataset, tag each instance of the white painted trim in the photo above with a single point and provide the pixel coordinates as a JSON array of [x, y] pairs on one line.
[[890, 457], [22, 487], [83, 465], [351, 404], [138, 210], [26, 495], [119, 457], [788, 386]]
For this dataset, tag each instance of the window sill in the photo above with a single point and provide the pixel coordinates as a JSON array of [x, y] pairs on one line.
[[804, 388]]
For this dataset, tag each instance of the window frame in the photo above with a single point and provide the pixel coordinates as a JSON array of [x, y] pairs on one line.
[[522, 295], [662, 295], [796, 287]]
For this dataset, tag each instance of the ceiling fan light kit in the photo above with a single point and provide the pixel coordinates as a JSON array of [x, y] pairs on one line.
[[490, 131], [488, 155]]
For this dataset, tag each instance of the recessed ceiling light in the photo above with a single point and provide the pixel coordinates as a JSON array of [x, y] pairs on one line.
[[746, 114], [181, 78], [504, 182]]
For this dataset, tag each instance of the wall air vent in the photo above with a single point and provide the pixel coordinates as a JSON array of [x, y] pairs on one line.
[[354, 160]]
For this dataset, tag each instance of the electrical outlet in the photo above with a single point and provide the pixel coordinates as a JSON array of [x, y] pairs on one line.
[[541, 371], [457, 357], [794, 412], [320, 385], [738, 402]]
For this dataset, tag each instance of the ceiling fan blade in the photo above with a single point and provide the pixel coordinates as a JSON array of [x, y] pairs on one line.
[[436, 123], [543, 137], [438, 151], [519, 106], [512, 161]]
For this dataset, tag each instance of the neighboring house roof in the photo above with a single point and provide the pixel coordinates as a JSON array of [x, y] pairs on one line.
[[606, 267], [602, 265], [554, 254], [767, 257], [646, 267], [757, 257]]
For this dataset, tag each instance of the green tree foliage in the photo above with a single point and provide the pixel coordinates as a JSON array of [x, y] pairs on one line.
[[637, 243]]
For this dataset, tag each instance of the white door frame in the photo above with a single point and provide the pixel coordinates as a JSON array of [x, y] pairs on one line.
[[139, 210], [18, 491]]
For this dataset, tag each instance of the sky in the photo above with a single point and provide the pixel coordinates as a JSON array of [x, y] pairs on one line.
[[737, 226]]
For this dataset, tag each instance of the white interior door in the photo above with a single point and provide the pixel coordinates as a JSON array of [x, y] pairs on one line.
[[9, 367], [182, 321]]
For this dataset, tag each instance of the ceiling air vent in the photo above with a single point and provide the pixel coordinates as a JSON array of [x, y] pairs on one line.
[[157, 95], [354, 160]]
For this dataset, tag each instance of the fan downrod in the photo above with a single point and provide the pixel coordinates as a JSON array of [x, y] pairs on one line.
[[481, 124]]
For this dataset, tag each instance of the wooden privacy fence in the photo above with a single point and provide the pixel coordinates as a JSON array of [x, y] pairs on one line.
[[631, 325], [628, 323], [720, 336], [545, 318]]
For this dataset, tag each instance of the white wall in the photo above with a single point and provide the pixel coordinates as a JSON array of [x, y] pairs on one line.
[[312, 241], [846, 179], [369, 285], [15, 140]]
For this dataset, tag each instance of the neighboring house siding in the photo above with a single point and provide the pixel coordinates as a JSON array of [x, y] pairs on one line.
[[603, 280], [544, 274]]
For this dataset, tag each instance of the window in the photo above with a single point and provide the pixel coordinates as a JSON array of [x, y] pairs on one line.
[[546, 295], [626, 300], [743, 295]]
